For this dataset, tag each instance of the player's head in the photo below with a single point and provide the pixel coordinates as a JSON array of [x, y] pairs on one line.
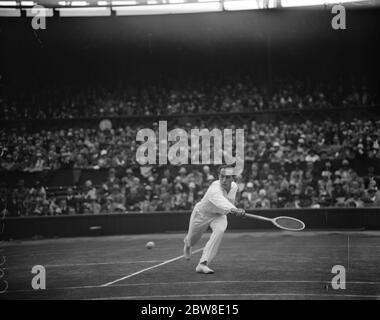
[[226, 176]]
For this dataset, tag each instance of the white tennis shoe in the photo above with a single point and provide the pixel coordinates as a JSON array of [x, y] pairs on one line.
[[202, 268], [187, 252]]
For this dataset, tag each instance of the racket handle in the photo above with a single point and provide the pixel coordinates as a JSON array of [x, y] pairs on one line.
[[254, 216]]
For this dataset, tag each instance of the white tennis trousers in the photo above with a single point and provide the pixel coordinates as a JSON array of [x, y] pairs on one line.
[[199, 222]]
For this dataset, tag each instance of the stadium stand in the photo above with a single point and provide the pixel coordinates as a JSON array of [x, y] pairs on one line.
[[307, 160]]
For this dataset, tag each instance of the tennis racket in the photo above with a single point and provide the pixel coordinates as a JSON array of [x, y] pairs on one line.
[[283, 222]]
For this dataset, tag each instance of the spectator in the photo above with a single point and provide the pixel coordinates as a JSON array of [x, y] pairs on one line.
[[118, 199], [265, 171], [103, 161], [64, 209], [344, 172], [240, 183], [128, 178], [89, 194], [54, 208], [271, 188], [19, 198], [251, 192], [179, 200], [207, 176], [371, 197], [338, 194], [112, 179], [277, 155], [297, 173], [39, 164], [371, 176], [135, 194], [72, 202], [262, 201], [355, 200], [325, 184], [312, 156], [192, 196], [183, 176]]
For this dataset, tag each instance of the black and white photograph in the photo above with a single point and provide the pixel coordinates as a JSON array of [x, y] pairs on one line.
[[203, 151]]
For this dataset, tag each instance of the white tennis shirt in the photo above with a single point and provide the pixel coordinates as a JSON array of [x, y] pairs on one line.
[[217, 200]]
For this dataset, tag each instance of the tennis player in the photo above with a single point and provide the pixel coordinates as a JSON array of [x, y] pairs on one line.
[[212, 212]]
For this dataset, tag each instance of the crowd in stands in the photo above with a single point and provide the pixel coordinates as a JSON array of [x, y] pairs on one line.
[[287, 164], [181, 96], [264, 142], [310, 184]]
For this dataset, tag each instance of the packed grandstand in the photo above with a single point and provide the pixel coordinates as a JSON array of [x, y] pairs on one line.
[[297, 162]]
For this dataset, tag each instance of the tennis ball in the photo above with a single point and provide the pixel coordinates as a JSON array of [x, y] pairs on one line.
[[150, 245]]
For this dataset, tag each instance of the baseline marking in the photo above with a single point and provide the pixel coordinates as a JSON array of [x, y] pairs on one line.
[[196, 282], [242, 295]]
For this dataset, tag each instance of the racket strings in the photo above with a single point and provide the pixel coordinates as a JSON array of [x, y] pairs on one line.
[[289, 223]]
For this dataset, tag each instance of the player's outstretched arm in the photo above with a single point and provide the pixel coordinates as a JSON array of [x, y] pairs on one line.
[[237, 212], [216, 197]]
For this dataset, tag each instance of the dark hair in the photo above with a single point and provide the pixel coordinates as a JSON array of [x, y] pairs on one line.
[[225, 166]]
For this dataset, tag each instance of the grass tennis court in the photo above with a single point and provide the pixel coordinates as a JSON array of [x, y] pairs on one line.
[[249, 265]]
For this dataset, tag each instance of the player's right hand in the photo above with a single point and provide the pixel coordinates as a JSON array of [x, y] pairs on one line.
[[237, 212]]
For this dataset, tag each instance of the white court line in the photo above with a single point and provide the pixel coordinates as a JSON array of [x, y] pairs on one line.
[[86, 264], [241, 295], [181, 283], [146, 269]]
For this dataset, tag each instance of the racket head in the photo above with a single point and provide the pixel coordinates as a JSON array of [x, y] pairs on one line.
[[288, 223]]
